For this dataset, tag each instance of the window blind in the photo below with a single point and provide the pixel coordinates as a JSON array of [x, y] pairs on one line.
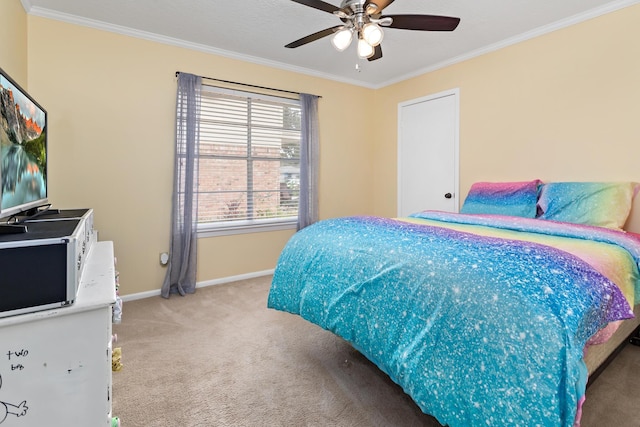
[[249, 157]]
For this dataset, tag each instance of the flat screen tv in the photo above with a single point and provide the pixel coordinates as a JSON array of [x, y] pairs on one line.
[[23, 151]]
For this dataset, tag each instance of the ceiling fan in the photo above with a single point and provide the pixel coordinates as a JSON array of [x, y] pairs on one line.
[[363, 19]]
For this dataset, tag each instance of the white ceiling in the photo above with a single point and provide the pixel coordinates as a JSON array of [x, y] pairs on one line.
[[257, 30]]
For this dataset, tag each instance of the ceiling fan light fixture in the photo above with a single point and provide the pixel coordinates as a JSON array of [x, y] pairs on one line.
[[363, 20], [365, 50], [342, 38], [372, 34]]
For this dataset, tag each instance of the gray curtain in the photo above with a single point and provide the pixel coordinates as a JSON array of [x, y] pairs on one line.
[[181, 271], [309, 153]]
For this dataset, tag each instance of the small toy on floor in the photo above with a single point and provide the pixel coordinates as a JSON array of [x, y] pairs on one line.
[[115, 422], [116, 359]]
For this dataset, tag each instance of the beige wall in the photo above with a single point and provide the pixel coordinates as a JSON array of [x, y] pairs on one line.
[[111, 103], [563, 106], [13, 41]]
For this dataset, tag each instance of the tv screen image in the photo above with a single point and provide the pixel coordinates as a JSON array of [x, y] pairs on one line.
[[23, 150]]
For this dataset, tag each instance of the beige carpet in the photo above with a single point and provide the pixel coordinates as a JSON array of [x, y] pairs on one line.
[[221, 358]]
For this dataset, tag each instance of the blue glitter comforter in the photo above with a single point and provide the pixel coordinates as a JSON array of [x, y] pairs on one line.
[[479, 330]]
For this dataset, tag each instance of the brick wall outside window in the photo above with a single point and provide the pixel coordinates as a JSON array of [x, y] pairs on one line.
[[223, 164]]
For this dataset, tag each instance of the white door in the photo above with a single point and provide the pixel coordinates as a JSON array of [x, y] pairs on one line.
[[428, 153]]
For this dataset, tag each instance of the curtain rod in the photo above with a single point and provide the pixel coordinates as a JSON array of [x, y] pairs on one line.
[[249, 85]]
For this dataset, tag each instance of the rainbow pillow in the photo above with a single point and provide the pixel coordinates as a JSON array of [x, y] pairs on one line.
[[600, 204], [503, 198]]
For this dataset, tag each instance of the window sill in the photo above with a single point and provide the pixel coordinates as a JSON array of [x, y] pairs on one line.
[[244, 227]]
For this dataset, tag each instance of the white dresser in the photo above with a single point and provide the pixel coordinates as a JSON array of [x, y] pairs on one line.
[[55, 365]]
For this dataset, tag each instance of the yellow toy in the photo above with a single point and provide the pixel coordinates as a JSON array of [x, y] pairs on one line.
[[116, 359]]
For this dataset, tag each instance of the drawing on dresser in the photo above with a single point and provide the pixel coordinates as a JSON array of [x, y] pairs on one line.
[[9, 408]]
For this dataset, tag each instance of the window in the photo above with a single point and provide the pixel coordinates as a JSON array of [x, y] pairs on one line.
[[249, 162]]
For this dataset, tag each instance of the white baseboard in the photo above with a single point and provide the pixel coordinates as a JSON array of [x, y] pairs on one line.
[[229, 279]]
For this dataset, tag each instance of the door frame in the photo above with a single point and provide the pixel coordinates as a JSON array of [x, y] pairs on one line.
[[455, 92]]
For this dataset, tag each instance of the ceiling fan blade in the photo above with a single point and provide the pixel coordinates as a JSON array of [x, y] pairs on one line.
[[313, 37], [377, 54], [380, 3], [318, 4], [423, 22]]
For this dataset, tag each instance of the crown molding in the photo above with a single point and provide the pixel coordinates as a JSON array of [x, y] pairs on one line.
[[118, 29], [576, 19], [546, 29], [26, 5]]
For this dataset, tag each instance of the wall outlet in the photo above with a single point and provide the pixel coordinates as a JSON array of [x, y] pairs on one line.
[[164, 258]]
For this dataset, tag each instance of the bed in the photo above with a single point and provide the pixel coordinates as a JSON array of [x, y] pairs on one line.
[[493, 316]]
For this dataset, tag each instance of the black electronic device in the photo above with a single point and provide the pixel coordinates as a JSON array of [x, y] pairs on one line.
[[41, 269]]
